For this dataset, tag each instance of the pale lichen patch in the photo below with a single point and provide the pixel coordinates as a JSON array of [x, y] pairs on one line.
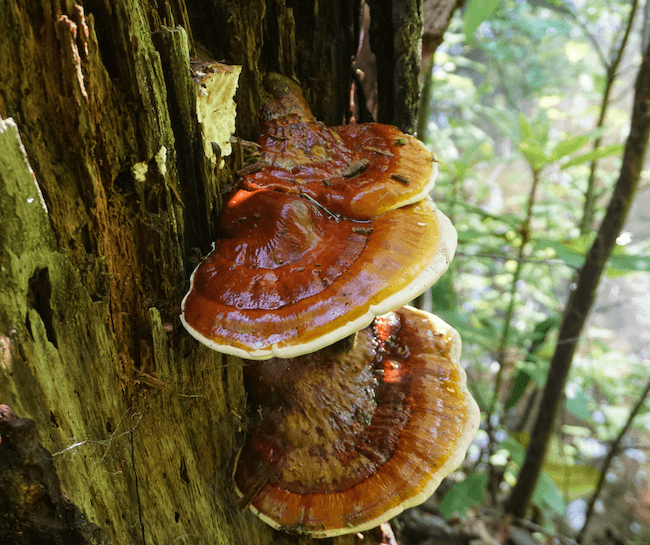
[[161, 160], [216, 85], [139, 171]]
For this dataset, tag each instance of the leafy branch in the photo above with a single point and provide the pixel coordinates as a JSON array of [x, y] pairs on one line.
[[611, 71], [614, 449], [582, 298]]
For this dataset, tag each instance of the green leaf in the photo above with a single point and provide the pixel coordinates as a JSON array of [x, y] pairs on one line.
[[516, 450], [509, 219], [540, 331], [534, 155], [562, 251], [547, 494], [443, 295], [468, 332], [574, 481], [576, 403], [555, 5], [525, 129], [476, 12], [629, 263], [463, 495], [619, 263], [594, 155], [519, 384], [567, 147]]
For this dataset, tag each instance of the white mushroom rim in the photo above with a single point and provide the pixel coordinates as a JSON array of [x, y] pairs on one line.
[[439, 263]]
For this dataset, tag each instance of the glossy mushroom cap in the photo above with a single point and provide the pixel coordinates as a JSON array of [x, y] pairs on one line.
[[287, 278], [342, 442], [358, 171]]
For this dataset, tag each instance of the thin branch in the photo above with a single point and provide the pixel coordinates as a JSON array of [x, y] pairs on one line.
[[628, 27], [590, 36], [613, 451], [507, 324], [611, 72], [582, 298]]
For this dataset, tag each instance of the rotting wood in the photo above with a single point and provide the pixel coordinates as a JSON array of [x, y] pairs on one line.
[[90, 288]]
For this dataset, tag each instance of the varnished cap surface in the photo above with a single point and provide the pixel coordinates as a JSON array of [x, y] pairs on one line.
[[341, 442], [286, 278]]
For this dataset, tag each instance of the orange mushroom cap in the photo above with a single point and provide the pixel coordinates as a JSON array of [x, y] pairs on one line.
[[358, 171], [342, 442], [286, 277]]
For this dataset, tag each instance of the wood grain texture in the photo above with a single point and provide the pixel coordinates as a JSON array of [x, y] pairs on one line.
[[142, 423]]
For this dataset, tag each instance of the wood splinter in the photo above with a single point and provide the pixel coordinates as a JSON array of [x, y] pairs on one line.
[[251, 169], [401, 179], [362, 230], [355, 168], [379, 150]]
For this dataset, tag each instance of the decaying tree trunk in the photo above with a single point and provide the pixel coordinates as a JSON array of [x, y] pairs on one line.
[[103, 215]]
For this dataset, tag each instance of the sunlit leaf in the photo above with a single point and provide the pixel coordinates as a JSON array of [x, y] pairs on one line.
[[463, 495], [575, 51], [525, 129], [574, 481], [534, 155], [594, 155], [577, 402], [578, 431], [476, 12], [567, 147], [547, 494]]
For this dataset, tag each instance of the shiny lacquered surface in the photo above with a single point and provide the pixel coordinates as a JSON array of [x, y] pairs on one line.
[[359, 171], [285, 273], [342, 441]]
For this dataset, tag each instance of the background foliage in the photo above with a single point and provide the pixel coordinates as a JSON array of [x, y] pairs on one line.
[[527, 99]]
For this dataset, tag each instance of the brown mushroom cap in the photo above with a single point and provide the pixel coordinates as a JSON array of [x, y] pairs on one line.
[[358, 171], [286, 278], [342, 442]]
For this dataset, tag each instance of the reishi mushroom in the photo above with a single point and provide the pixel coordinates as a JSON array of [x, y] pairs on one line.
[[331, 227], [287, 278], [327, 232], [359, 170], [343, 441]]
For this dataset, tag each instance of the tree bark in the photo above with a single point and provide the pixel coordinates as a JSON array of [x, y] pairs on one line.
[[583, 296], [107, 201]]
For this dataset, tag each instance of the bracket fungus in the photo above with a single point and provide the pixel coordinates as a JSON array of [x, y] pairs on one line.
[[330, 228], [356, 170], [343, 441], [287, 277]]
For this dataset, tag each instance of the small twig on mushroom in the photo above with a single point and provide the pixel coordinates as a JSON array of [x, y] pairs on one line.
[[251, 169], [319, 205], [401, 179], [379, 150], [355, 168], [362, 230], [245, 143]]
